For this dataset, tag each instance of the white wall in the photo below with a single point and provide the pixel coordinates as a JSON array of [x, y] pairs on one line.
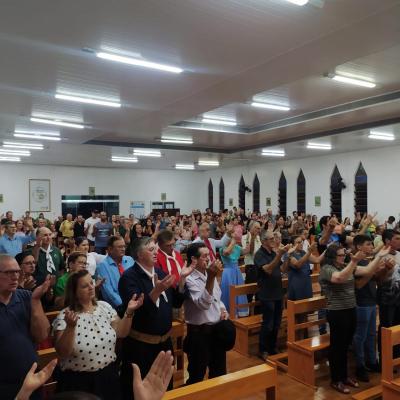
[[143, 185], [381, 165]]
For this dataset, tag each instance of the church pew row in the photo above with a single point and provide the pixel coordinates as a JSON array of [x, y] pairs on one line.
[[231, 386]]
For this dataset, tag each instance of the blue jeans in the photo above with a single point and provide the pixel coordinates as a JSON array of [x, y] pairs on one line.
[[272, 317], [364, 336]]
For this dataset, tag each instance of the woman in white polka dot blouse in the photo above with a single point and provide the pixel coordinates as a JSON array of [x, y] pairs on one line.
[[85, 337]]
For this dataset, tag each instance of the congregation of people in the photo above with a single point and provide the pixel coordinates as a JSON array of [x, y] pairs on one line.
[[118, 283]]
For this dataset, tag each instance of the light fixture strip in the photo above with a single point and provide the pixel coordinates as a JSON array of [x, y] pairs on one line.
[[26, 136], [184, 166], [139, 62], [298, 2], [57, 122], [13, 146], [380, 137], [353, 81], [33, 133], [218, 122], [209, 163], [15, 159], [319, 146], [15, 152], [270, 106], [177, 141], [87, 100]]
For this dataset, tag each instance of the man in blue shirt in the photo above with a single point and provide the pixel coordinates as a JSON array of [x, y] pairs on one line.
[[111, 268], [11, 244]]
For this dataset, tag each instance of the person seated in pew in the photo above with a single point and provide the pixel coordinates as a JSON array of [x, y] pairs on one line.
[[268, 260], [204, 310], [23, 323], [85, 336], [337, 281], [152, 387], [82, 244]]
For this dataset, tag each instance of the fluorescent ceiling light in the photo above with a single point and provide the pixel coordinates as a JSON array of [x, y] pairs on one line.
[[319, 146], [124, 159], [353, 81], [16, 145], [179, 140], [381, 135], [270, 106], [15, 159], [146, 153], [139, 62], [209, 163], [26, 136], [29, 132], [87, 100], [10, 152], [57, 122], [184, 166], [298, 2], [218, 122], [273, 153]]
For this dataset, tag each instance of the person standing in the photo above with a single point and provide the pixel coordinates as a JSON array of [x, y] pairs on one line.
[[23, 323], [102, 231], [89, 225], [12, 244]]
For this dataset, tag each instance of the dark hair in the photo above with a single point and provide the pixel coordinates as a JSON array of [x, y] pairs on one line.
[[79, 240], [74, 256], [293, 238], [75, 396], [324, 220], [391, 219], [112, 240], [193, 250], [164, 236], [388, 234], [8, 223], [360, 240], [138, 244], [20, 257], [71, 300], [330, 254]]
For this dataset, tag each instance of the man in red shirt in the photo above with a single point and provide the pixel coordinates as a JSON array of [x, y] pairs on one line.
[[169, 260]]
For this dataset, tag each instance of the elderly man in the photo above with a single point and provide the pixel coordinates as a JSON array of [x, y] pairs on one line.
[[12, 244], [112, 268], [49, 259], [203, 310], [67, 227], [213, 244], [22, 322], [270, 267], [152, 323]]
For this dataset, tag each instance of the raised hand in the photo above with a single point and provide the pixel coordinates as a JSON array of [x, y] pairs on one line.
[[165, 283], [214, 269], [187, 270], [384, 252], [390, 263], [356, 258], [154, 385], [99, 283], [29, 283], [42, 289], [134, 303], [71, 318], [283, 249]]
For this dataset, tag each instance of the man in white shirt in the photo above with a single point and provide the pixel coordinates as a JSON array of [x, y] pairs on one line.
[[89, 225], [203, 310]]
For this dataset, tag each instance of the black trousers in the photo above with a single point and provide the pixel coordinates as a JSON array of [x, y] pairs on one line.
[[389, 315], [251, 277], [202, 352], [142, 354], [103, 383], [342, 325]]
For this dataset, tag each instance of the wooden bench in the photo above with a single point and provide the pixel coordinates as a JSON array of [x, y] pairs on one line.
[[301, 353], [177, 335], [248, 327], [372, 393], [231, 386], [390, 386]]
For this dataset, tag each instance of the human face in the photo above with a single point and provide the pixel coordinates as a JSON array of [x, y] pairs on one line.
[[204, 258], [340, 255], [9, 215], [395, 242], [84, 246], [69, 217], [269, 241], [41, 223], [204, 231], [19, 225], [148, 256], [298, 243], [85, 289], [117, 250], [367, 247], [11, 229], [138, 229], [78, 265], [28, 265], [168, 246], [9, 275], [45, 235], [103, 216]]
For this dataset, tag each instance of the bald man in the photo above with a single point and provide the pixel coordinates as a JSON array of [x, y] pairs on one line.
[[49, 260]]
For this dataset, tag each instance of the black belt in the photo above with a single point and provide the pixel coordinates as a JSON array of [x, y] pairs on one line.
[[204, 328]]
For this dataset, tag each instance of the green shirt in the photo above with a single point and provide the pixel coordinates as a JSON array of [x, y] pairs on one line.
[[41, 266], [59, 289]]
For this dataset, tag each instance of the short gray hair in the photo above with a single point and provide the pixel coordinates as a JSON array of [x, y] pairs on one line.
[[138, 245], [6, 257]]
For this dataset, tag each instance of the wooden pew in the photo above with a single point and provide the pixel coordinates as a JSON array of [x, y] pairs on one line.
[[45, 356], [390, 385], [301, 353], [177, 335], [247, 327], [231, 386]]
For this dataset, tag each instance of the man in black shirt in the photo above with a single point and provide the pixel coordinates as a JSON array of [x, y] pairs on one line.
[[270, 293]]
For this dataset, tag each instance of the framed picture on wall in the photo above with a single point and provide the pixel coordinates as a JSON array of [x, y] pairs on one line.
[[39, 195]]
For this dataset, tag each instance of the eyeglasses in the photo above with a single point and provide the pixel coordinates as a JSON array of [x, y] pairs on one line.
[[11, 272], [29, 263]]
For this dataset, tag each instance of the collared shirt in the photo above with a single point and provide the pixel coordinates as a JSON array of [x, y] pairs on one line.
[[200, 306], [13, 246], [67, 229], [215, 243], [108, 269], [17, 349], [41, 267], [249, 258], [149, 318], [89, 224]]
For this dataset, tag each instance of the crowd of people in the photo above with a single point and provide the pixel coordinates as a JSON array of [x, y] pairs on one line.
[[119, 282]]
